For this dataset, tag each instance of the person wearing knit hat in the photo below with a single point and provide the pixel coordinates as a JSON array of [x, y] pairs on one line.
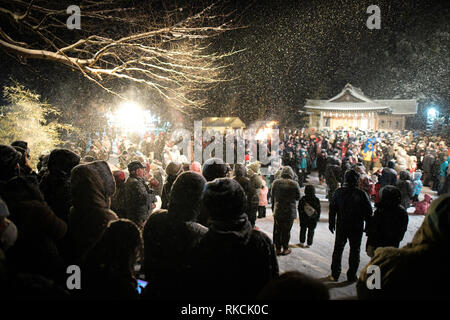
[[232, 259], [23, 145], [55, 183], [419, 269], [350, 208], [25, 167], [214, 168]]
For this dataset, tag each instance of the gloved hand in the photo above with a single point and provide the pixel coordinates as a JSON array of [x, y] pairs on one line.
[[331, 228]]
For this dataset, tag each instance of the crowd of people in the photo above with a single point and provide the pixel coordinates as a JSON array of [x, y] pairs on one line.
[[203, 242]]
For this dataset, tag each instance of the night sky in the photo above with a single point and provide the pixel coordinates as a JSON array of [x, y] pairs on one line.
[[296, 50]]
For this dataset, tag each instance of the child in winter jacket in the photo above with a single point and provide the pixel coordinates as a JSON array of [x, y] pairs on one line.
[[309, 215], [417, 185], [262, 193]]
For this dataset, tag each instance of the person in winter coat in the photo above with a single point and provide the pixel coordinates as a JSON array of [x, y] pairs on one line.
[[108, 270], [262, 200], [333, 178], [419, 269], [212, 168], [240, 175], [169, 237], [443, 175], [405, 186], [427, 167], [39, 230], [417, 185], [92, 186], [118, 200], [322, 165], [309, 215], [388, 175], [285, 194], [388, 225], [24, 163], [232, 259], [350, 207], [55, 184], [139, 198], [172, 171], [9, 164]]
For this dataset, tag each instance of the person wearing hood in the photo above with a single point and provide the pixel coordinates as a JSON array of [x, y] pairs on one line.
[[172, 170], [92, 186], [405, 186], [39, 230], [309, 215], [240, 175], [139, 198], [417, 185], [55, 184], [389, 222], [170, 236], [233, 260], [213, 168], [419, 269], [285, 194], [388, 175], [350, 207]]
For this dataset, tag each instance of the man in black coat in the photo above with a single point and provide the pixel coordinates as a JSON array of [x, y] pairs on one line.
[[240, 175], [388, 175], [232, 260], [139, 198], [285, 193], [350, 207]]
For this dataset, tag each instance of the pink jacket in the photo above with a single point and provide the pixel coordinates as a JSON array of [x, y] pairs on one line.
[[263, 196]]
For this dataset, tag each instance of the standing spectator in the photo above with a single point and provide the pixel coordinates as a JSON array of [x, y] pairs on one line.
[[417, 185], [108, 271], [349, 208], [428, 251], [322, 165], [172, 171], [232, 259], [263, 191], [92, 186], [55, 184], [169, 238], [118, 200], [388, 225], [405, 186], [285, 194], [388, 175], [139, 198], [39, 230], [443, 175], [427, 166], [309, 215], [240, 175]]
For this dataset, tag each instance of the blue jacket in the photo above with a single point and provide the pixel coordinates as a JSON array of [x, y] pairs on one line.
[[417, 183], [443, 169]]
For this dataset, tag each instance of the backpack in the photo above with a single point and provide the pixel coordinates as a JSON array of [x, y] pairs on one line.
[[309, 210]]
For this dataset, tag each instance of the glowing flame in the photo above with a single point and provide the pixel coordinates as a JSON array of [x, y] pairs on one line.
[[265, 133]]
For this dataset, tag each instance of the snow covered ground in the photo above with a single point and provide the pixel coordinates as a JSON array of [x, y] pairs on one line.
[[316, 260]]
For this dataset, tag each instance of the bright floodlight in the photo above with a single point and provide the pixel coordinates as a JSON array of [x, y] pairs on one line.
[[432, 113], [130, 117]]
